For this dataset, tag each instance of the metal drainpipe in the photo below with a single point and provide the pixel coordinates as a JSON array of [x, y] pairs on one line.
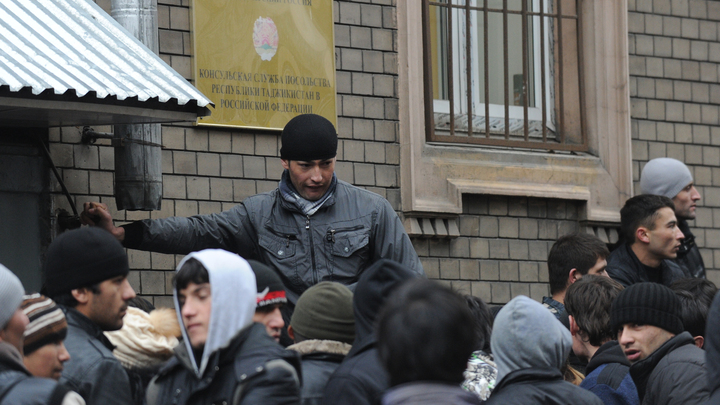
[[138, 166]]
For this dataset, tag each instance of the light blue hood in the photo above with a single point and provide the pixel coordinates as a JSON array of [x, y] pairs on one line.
[[526, 335], [234, 295]]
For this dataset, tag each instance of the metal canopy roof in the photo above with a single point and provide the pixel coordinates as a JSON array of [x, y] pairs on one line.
[[67, 62]]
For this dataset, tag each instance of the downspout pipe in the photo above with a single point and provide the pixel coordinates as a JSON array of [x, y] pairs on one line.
[[138, 165]]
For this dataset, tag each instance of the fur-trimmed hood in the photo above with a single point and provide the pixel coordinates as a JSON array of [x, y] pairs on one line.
[[321, 346]]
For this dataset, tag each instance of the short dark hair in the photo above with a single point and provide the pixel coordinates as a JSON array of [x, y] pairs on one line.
[[573, 251], [641, 210], [425, 333], [483, 321], [192, 271], [589, 301], [695, 295], [66, 298]]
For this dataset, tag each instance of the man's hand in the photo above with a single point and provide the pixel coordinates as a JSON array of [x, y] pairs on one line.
[[97, 214]]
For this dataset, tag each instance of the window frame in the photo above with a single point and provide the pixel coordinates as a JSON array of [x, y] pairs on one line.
[[553, 135], [434, 176]]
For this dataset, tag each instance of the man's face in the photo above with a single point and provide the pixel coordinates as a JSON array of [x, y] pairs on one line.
[[195, 306], [599, 268], [311, 179], [640, 341], [664, 240], [14, 330], [271, 317], [685, 202], [108, 307], [47, 361]]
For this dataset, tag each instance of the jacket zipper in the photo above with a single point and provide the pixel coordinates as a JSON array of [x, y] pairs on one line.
[[312, 249]]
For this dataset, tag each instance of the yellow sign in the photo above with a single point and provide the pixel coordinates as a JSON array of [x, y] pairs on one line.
[[263, 62]]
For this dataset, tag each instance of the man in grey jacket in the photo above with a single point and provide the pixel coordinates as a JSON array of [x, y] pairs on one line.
[[667, 367], [86, 274], [312, 228]]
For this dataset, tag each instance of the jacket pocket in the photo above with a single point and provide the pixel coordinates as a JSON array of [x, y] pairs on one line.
[[349, 252], [280, 250]]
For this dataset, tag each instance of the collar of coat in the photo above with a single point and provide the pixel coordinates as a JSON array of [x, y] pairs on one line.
[[321, 346]]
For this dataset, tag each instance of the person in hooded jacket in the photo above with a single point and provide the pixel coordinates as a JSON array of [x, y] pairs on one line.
[[712, 352], [530, 347], [224, 358], [361, 378]]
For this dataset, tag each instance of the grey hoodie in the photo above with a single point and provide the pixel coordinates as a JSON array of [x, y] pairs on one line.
[[234, 295], [526, 335]]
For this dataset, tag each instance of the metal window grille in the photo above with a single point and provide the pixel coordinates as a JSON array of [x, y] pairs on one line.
[[559, 79]]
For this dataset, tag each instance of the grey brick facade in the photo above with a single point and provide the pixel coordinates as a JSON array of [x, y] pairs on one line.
[[504, 241]]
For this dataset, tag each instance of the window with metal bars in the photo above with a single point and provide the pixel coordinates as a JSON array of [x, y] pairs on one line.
[[504, 73]]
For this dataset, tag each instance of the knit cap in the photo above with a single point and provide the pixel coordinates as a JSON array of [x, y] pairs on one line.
[[308, 137], [664, 176], [11, 295], [270, 289], [647, 304], [325, 311], [47, 322], [83, 257], [145, 340]]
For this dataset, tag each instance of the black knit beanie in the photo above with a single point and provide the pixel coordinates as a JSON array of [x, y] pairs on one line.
[[270, 289], [325, 311], [647, 304], [308, 137], [83, 257]]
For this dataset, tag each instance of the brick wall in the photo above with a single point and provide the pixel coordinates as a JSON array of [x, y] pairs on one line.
[[503, 243]]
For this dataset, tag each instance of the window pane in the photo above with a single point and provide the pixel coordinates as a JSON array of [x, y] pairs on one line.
[[439, 50]]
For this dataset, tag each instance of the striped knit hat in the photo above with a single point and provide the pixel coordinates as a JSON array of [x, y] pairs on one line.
[[47, 322], [647, 304]]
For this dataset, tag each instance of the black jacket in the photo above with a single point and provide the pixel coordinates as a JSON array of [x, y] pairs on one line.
[[689, 258], [624, 267], [361, 378], [253, 369], [608, 376], [672, 374], [539, 386], [320, 359], [712, 351]]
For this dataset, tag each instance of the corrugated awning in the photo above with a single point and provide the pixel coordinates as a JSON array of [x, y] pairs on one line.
[[67, 62]]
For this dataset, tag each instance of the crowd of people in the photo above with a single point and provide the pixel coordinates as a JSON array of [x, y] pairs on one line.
[[313, 294]]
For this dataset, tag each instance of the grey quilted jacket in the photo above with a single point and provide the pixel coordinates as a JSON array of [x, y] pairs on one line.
[[352, 230]]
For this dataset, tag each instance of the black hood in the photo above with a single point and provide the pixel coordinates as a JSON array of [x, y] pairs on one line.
[[712, 346], [610, 352], [374, 286]]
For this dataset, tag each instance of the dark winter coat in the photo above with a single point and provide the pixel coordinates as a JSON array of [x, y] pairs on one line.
[[608, 376], [93, 371], [361, 378], [688, 257], [352, 230], [712, 351], [19, 387], [624, 267], [674, 374], [320, 358], [252, 369], [539, 386]]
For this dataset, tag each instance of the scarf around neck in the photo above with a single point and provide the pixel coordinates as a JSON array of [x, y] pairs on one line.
[[289, 194]]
